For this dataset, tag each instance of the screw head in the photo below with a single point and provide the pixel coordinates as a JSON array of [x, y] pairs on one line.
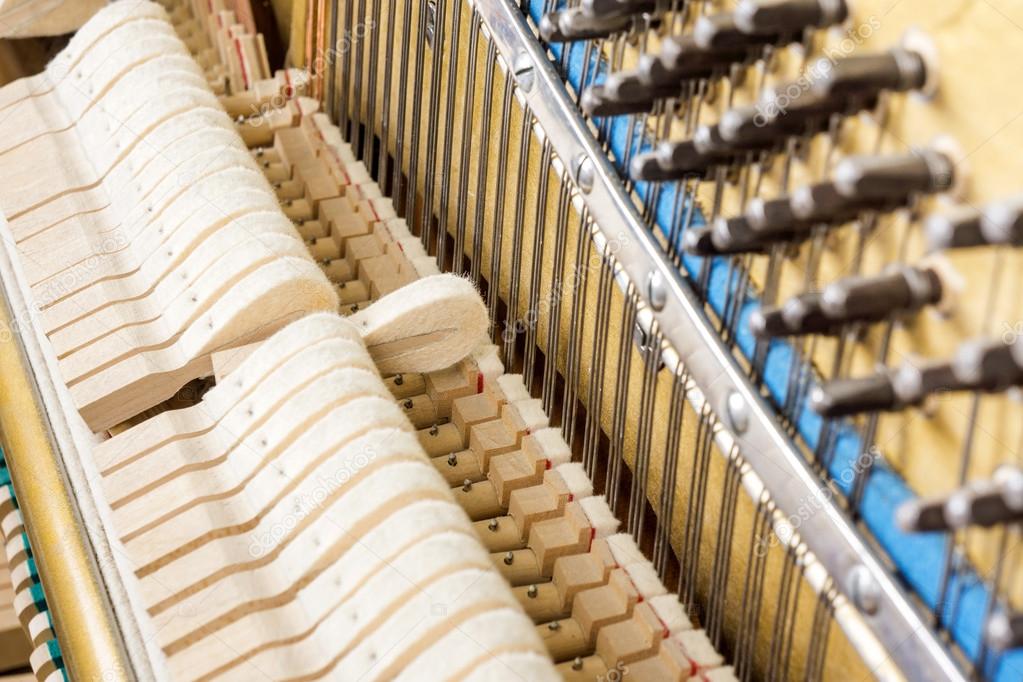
[[864, 590], [657, 292], [525, 74], [509, 558], [736, 413], [532, 591], [492, 526], [583, 172]]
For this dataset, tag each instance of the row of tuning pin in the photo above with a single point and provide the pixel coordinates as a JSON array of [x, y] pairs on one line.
[[859, 186], [985, 365], [980, 503]]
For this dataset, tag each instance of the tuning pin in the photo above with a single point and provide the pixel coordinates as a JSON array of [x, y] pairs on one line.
[[673, 161], [923, 515], [697, 241], [724, 237], [645, 167], [572, 24], [1003, 222], [958, 228], [598, 101], [797, 316], [604, 8], [893, 178], [1005, 631], [735, 235], [977, 366], [719, 32], [709, 141], [681, 59], [987, 503], [987, 366], [772, 215], [788, 16], [823, 203], [865, 76], [625, 92], [913, 382], [870, 299], [845, 397]]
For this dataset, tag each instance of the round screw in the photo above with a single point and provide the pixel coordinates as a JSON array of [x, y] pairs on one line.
[[509, 558]]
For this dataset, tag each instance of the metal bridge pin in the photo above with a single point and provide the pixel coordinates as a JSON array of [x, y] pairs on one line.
[[532, 591], [509, 558], [452, 460], [466, 485], [492, 526]]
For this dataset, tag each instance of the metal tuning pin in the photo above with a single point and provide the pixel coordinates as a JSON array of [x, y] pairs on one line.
[[744, 126], [726, 236], [769, 216], [1005, 631], [1003, 222], [673, 161], [567, 25], [799, 315], [989, 366], [988, 503], [625, 92], [914, 381], [710, 141], [955, 229], [900, 289], [735, 235], [843, 87], [924, 515], [596, 19], [884, 391], [788, 16], [873, 183], [719, 32], [1000, 222], [604, 8], [894, 178], [697, 241], [845, 397], [822, 203], [981, 503], [864, 76], [680, 59]]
